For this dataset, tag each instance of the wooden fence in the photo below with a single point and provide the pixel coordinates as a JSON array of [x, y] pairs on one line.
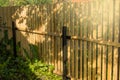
[[93, 51]]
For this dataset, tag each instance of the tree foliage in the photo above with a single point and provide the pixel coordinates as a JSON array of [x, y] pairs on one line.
[[4, 2], [23, 2]]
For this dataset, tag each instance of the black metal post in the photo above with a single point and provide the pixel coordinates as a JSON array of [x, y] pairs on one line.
[[14, 39], [64, 42]]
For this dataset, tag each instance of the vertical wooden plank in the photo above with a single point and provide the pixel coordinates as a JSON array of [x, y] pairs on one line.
[[1, 21], [39, 45], [0, 16], [44, 23], [55, 39], [1, 12], [113, 39], [76, 41], [102, 45], [52, 30], [104, 38], [51, 21], [61, 25], [72, 42], [107, 32], [97, 44], [68, 32], [30, 34], [95, 35], [47, 37], [80, 43], [80, 53], [58, 38], [11, 11], [89, 30], [8, 19], [73, 59], [109, 74], [35, 27], [117, 54], [85, 42], [42, 45], [48, 30], [41, 23], [116, 32], [46, 44], [118, 66], [87, 59], [98, 37], [92, 50], [37, 41]]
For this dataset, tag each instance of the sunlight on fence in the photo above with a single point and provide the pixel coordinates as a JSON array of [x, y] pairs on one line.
[[94, 27]]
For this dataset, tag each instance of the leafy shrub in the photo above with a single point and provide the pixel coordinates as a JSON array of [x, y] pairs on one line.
[[6, 47], [43, 71], [18, 68]]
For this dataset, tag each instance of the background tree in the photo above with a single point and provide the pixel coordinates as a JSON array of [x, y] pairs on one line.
[[23, 2], [4, 2]]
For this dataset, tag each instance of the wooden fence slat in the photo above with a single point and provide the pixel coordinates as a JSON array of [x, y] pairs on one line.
[[76, 42], [93, 50], [55, 39], [118, 73]]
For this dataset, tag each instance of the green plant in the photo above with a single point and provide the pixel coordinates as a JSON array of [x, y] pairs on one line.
[[6, 46], [19, 68], [16, 69], [43, 71], [23, 2], [34, 52]]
